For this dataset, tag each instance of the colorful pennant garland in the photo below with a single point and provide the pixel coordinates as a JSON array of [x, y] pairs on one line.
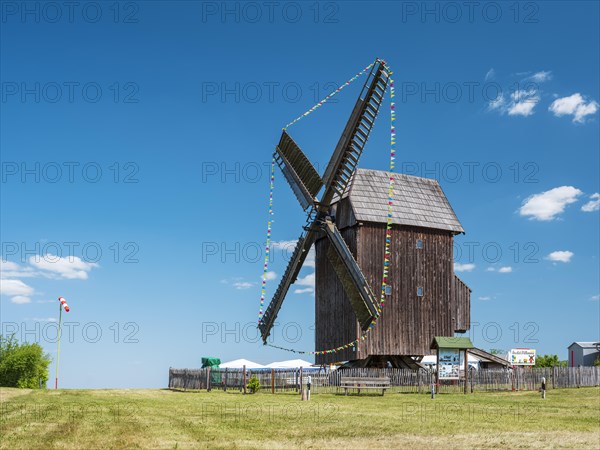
[[268, 243], [318, 105], [388, 232]]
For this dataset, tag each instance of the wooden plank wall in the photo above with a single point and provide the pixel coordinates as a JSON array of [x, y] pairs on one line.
[[335, 321], [408, 323], [461, 299]]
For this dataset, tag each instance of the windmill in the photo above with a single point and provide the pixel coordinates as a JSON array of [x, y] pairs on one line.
[[306, 183], [350, 225]]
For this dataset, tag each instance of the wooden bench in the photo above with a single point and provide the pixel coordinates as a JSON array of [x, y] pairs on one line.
[[359, 383]]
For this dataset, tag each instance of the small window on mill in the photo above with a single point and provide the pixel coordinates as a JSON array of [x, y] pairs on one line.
[[419, 243], [419, 291]]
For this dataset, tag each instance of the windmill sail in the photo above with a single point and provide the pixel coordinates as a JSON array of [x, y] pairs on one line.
[[289, 277], [298, 171], [306, 184], [352, 142], [359, 293]]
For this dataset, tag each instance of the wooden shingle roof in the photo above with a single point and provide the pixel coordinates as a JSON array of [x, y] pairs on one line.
[[418, 202]]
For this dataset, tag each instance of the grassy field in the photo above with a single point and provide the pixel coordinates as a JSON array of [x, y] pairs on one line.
[[141, 418]]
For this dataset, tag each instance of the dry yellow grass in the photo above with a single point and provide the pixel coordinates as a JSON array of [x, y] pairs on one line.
[[568, 418]]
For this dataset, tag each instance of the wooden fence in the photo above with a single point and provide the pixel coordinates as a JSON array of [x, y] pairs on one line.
[[402, 380]]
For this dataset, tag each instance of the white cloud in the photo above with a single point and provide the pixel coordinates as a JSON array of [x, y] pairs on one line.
[[15, 288], [47, 319], [522, 102], [20, 299], [505, 269], [484, 298], [499, 103], [304, 291], [308, 280], [575, 105], [561, 256], [549, 204], [595, 297], [458, 267], [541, 76], [9, 269], [271, 275], [242, 285], [490, 75], [287, 246], [68, 267], [593, 204], [490, 269]]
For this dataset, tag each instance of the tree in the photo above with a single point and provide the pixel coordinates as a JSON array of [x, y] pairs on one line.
[[22, 365], [549, 361], [497, 351]]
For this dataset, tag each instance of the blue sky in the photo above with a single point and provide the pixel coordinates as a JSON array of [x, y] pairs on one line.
[[136, 143]]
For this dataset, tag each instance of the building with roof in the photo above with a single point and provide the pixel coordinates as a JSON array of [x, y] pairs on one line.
[[583, 353], [423, 297]]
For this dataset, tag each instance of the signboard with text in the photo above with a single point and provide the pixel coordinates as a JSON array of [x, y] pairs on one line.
[[522, 356], [449, 363]]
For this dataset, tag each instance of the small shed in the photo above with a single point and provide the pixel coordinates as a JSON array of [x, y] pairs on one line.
[[448, 350], [583, 353]]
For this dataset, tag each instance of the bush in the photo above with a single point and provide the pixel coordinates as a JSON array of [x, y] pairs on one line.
[[253, 384], [22, 365]]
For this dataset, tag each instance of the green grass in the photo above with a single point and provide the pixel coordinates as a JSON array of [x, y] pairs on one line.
[[141, 418]]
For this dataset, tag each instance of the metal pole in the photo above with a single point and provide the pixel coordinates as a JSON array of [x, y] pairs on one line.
[[60, 308]]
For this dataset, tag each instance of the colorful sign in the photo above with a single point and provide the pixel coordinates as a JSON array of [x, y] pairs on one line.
[[449, 363], [522, 356]]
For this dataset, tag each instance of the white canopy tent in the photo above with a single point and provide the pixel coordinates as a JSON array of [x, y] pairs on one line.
[[240, 363], [290, 364]]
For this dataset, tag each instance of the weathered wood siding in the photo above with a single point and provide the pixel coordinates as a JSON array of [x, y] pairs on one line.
[[335, 321], [461, 294], [408, 322]]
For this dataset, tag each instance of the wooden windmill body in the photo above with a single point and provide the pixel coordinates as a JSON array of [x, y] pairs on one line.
[[424, 297], [347, 225]]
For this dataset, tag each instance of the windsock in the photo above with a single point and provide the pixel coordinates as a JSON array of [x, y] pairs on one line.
[[63, 302]]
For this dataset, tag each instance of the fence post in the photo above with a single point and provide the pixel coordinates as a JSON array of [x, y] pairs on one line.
[[272, 381], [244, 377], [208, 379], [225, 385], [543, 387], [301, 385]]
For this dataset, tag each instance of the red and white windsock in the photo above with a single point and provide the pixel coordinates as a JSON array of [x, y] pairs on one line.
[[63, 302]]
